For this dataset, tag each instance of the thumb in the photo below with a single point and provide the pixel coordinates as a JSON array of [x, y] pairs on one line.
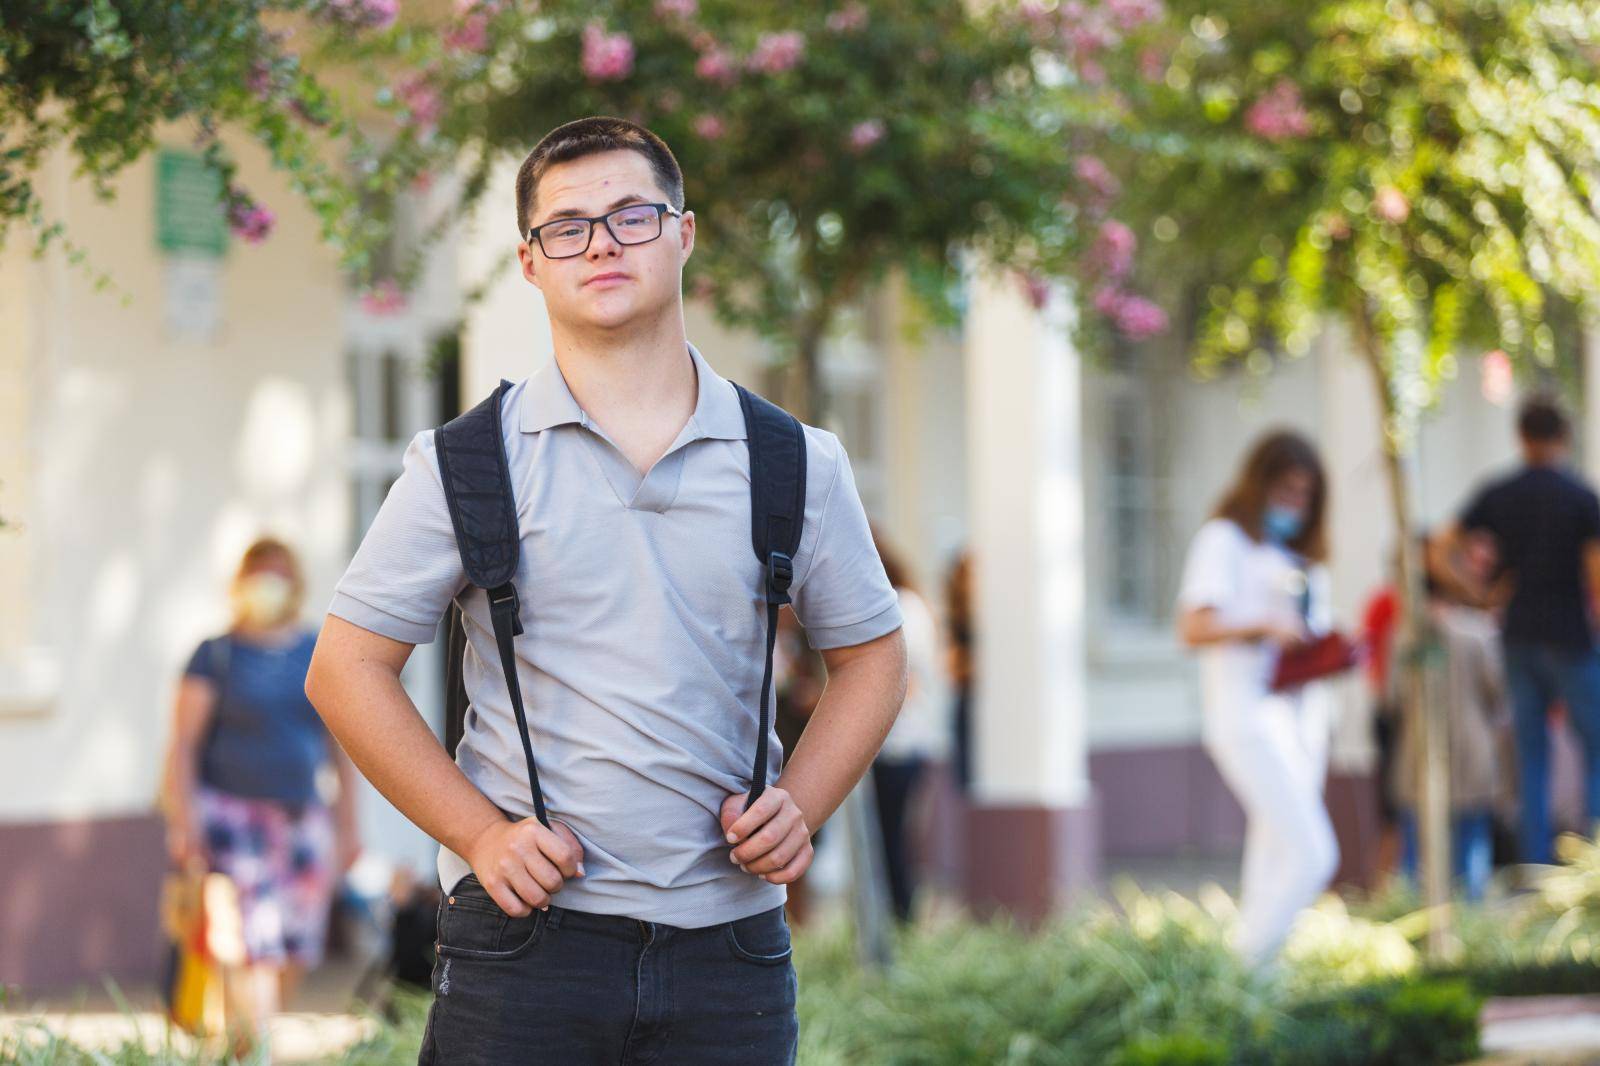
[[732, 808]]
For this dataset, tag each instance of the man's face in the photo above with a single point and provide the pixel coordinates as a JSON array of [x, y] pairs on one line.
[[611, 284]]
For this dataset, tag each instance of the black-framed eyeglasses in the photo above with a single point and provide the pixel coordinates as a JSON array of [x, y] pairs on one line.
[[564, 238]]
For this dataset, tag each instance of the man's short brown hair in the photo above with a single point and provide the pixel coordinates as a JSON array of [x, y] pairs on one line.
[[591, 136]]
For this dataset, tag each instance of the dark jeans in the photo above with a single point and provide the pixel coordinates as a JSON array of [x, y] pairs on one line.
[[1539, 675], [573, 988], [894, 782], [1471, 849]]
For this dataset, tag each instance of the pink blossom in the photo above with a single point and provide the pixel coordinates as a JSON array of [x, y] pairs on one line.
[[606, 56], [709, 127], [848, 19], [1338, 226], [1092, 71], [1133, 316], [259, 80], [1499, 382], [421, 100], [1097, 176], [682, 9], [1113, 249], [865, 134], [1279, 115], [1089, 35], [1036, 288], [487, 7], [471, 34], [1131, 14], [1391, 204], [1152, 64], [248, 219], [384, 298], [1138, 318], [363, 14], [777, 52], [716, 64]]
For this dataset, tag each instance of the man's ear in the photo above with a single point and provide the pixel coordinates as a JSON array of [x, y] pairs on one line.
[[686, 226], [528, 258]]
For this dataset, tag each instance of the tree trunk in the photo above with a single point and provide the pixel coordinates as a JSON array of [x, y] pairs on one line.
[[1412, 650]]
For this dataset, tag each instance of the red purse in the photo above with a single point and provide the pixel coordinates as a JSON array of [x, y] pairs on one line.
[[1327, 655]]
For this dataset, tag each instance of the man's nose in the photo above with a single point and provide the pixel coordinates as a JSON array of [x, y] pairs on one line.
[[602, 243]]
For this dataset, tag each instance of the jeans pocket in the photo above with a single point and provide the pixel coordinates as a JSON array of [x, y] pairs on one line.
[[472, 925], [760, 938]]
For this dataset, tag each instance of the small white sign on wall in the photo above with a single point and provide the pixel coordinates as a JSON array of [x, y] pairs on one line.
[[193, 285]]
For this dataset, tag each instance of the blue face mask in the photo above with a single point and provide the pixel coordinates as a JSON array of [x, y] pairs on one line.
[[1281, 524]]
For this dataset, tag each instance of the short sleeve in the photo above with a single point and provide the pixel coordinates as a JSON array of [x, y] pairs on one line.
[[1589, 518], [407, 569], [842, 595], [1479, 512], [1211, 571], [206, 661]]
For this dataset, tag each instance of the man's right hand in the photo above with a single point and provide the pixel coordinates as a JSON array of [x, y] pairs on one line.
[[523, 864]]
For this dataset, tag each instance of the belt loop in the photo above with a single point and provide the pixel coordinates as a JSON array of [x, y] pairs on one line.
[[552, 918]]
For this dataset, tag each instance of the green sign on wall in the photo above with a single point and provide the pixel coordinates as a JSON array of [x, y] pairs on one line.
[[189, 212]]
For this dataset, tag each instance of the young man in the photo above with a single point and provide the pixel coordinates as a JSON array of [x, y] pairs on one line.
[[1545, 526], [646, 924]]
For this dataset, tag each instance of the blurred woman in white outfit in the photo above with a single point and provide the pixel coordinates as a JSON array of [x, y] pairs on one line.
[[1255, 583]]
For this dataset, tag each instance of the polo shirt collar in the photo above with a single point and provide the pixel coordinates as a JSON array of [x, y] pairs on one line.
[[547, 402]]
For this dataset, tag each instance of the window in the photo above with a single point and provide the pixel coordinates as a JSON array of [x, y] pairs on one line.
[[1139, 568]]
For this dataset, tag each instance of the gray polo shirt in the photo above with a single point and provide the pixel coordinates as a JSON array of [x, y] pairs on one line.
[[643, 619]]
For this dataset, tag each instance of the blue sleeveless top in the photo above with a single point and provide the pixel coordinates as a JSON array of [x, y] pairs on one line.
[[266, 740]]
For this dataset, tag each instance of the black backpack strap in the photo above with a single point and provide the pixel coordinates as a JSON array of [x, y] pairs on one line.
[[483, 509], [777, 444]]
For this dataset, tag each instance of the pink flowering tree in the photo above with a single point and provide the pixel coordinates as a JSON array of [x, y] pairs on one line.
[[827, 146], [1425, 173], [102, 80]]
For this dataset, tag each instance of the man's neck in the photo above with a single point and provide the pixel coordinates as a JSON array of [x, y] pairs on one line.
[[639, 384]]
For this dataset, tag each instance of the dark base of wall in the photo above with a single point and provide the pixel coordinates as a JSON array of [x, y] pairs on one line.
[[1030, 861], [79, 901]]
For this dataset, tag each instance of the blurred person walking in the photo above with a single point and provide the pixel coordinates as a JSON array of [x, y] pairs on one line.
[[919, 735], [1474, 692], [245, 790], [1255, 585], [1544, 523], [961, 660]]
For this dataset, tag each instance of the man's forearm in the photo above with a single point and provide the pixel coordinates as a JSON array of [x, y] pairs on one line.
[[858, 705], [369, 713]]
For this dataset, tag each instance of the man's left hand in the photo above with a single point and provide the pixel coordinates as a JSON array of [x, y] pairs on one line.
[[771, 839]]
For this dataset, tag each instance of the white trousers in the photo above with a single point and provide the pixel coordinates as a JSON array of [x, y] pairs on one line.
[[1273, 754]]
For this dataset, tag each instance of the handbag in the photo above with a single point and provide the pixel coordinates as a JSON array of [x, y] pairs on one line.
[[204, 926], [1324, 656], [199, 912], [1327, 655]]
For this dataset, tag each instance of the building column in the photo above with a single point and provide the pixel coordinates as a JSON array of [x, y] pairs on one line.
[[1031, 826]]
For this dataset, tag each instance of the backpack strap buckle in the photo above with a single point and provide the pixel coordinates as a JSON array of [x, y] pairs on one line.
[[503, 600], [780, 572]]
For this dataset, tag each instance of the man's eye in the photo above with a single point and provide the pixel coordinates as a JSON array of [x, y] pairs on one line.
[[566, 232]]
